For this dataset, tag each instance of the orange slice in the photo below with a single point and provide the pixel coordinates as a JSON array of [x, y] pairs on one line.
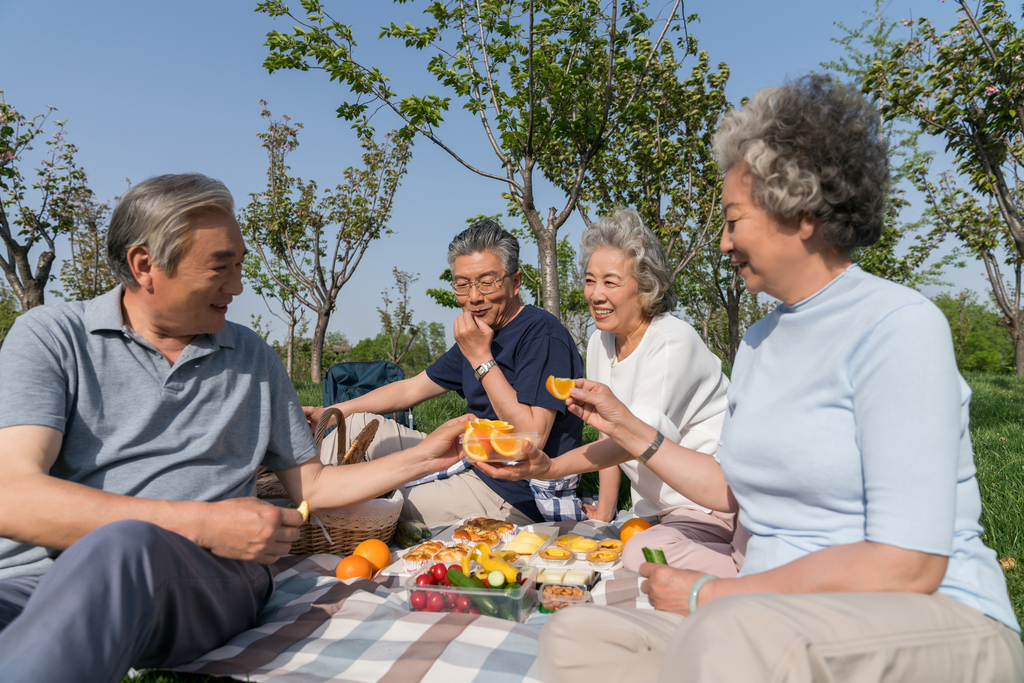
[[559, 386], [505, 445], [476, 441]]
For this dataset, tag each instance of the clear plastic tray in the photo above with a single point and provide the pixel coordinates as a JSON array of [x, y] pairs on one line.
[[499, 447], [516, 604], [556, 596]]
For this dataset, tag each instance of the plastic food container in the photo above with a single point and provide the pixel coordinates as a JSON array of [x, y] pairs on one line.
[[556, 596], [498, 446], [513, 604]]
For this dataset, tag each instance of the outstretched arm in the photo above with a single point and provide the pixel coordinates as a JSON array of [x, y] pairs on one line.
[[389, 398], [42, 510], [339, 487], [696, 475]]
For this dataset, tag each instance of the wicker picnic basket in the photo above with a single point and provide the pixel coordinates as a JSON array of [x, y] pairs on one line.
[[338, 532]]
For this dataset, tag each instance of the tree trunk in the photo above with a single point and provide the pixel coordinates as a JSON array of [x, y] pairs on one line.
[[1017, 334], [291, 345], [547, 259], [317, 352], [732, 308]]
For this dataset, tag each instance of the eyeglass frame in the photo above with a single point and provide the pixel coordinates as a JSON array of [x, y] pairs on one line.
[[476, 283]]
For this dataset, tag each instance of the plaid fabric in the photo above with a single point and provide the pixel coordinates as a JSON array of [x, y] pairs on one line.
[[316, 629], [460, 466], [556, 499]]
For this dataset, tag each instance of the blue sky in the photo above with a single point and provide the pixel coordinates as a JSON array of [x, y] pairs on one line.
[[165, 87]]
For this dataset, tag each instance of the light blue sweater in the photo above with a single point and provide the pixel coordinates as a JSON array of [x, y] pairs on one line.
[[847, 421]]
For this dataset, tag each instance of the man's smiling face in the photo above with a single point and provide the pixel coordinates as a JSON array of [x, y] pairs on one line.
[[194, 300]]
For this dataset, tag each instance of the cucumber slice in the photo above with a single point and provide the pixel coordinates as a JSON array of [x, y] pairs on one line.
[[496, 579]]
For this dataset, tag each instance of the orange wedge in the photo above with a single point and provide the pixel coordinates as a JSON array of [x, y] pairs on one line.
[[559, 386], [476, 441], [505, 445]]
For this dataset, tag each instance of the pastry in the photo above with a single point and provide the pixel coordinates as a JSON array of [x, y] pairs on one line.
[[563, 541], [611, 544]]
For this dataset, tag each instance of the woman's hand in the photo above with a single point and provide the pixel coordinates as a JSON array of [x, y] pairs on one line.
[[668, 588], [535, 465], [595, 513], [597, 406]]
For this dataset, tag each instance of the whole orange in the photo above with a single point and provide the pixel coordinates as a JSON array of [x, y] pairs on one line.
[[632, 527], [376, 552], [354, 566]]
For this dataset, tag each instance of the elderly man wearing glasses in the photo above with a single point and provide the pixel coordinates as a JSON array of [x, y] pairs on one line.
[[503, 354]]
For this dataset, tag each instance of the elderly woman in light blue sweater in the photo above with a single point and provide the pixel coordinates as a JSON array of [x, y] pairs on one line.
[[845, 448]]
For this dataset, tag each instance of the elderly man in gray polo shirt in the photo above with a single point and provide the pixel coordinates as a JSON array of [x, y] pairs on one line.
[[131, 427]]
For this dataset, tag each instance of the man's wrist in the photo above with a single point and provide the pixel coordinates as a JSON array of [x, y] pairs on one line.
[[481, 369]]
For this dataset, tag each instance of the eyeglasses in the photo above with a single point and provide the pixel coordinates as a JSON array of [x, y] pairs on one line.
[[482, 286]]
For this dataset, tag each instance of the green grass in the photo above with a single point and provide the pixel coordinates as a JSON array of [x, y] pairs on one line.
[[997, 430]]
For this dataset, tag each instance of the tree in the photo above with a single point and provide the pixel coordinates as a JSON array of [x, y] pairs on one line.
[[318, 242], [425, 349], [980, 338], [397, 324], [60, 189], [534, 72], [292, 313], [965, 85], [902, 252], [85, 274], [8, 311]]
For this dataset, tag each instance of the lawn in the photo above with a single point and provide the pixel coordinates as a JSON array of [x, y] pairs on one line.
[[997, 430]]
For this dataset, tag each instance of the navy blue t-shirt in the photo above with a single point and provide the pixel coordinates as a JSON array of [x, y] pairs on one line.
[[530, 347]]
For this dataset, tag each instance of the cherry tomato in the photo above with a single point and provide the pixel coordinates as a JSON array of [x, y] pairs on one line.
[[473, 609], [440, 572], [435, 603], [418, 600], [463, 603], [425, 579]]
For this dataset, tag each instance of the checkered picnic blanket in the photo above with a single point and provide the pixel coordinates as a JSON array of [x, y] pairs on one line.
[[316, 628]]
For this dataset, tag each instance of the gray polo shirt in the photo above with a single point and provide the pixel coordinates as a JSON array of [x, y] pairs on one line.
[[135, 425]]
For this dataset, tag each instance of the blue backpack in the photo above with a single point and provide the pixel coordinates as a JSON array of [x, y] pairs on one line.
[[345, 381]]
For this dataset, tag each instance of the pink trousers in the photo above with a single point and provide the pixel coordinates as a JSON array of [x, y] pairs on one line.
[[692, 539]]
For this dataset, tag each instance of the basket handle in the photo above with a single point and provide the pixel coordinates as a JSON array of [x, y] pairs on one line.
[[325, 422]]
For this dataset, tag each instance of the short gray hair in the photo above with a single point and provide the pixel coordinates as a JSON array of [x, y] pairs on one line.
[[814, 147], [625, 230], [156, 214], [486, 235]]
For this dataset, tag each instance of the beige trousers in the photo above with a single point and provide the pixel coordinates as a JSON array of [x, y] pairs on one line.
[[772, 638], [692, 539], [436, 503]]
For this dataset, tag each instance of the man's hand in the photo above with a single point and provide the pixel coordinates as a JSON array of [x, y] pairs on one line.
[[474, 338], [312, 414], [441, 449], [249, 529], [668, 588], [535, 465]]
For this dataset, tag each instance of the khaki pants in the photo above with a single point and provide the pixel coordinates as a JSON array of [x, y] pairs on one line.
[[692, 539], [436, 503], [773, 638]]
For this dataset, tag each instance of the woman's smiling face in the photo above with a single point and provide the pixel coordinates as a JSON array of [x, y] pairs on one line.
[[766, 252], [611, 291]]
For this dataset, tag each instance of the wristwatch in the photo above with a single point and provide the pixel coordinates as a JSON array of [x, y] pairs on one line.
[[484, 367]]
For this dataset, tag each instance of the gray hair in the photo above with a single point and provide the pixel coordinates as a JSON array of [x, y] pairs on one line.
[[625, 230], [156, 214], [486, 235], [814, 147]]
